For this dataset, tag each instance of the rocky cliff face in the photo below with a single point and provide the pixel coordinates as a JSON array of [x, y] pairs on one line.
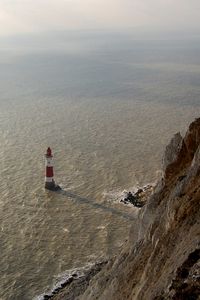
[[161, 259]]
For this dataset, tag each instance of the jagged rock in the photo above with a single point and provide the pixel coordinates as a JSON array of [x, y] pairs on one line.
[[139, 191], [192, 138], [46, 297], [172, 150], [180, 152], [133, 199], [73, 287], [139, 198]]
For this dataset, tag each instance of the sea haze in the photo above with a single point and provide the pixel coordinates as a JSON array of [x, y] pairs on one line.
[[107, 104]]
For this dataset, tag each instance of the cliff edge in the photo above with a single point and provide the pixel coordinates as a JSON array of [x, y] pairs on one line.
[[161, 259]]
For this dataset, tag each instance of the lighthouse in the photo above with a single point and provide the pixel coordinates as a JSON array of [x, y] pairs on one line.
[[49, 180]]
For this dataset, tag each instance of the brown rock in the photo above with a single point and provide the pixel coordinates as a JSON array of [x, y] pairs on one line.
[[180, 152]]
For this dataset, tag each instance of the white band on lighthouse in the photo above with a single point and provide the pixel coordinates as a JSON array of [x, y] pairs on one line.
[[49, 179], [49, 161]]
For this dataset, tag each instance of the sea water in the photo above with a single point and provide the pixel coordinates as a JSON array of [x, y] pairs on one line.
[[107, 107]]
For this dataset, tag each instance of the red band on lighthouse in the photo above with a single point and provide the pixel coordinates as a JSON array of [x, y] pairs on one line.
[[49, 172]]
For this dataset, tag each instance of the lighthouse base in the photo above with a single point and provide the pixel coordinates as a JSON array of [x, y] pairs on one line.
[[52, 186]]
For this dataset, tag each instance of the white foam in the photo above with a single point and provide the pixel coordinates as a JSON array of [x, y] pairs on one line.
[[101, 227], [63, 277], [117, 195]]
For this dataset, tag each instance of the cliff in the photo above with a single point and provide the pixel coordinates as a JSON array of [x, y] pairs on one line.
[[161, 259]]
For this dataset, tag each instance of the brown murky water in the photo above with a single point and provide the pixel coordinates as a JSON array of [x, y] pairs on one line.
[[102, 145]]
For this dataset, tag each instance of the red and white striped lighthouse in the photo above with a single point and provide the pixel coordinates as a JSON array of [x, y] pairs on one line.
[[49, 180]]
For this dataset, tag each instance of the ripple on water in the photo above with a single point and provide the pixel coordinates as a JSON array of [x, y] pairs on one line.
[[101, 146]]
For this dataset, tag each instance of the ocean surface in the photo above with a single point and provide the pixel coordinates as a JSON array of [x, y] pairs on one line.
[[107, 105]]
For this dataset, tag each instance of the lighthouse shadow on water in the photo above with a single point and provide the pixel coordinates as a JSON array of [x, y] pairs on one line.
[[95, 205], [51, 185]]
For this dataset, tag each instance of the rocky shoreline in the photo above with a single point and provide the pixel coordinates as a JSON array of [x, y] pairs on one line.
[[75, 284], [138, 198]]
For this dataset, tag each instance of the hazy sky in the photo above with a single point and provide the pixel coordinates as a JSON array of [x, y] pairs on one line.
[[22, 16]]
